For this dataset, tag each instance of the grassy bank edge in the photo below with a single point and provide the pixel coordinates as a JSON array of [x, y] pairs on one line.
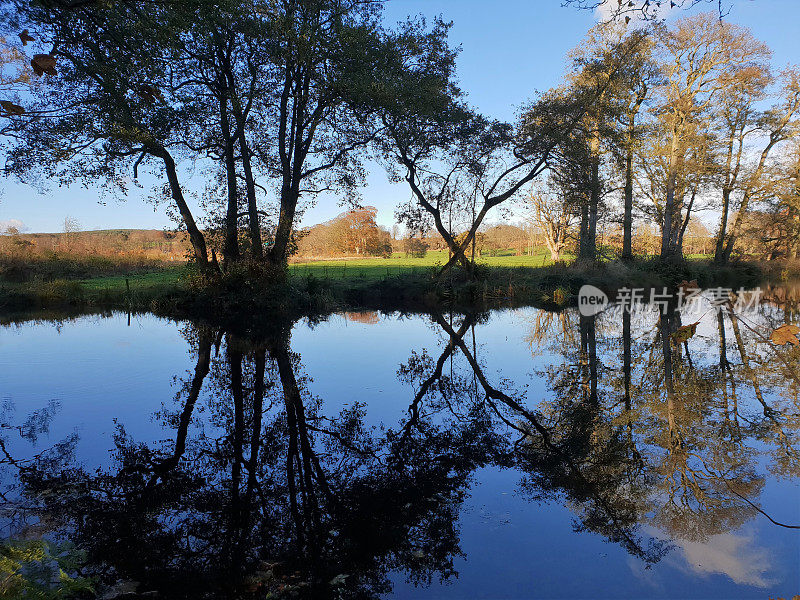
[[176, 292]]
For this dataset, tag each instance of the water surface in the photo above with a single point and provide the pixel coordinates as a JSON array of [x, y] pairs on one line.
[[511, 454]]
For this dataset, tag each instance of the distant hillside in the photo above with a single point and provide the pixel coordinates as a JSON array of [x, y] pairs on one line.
[[146, 243]]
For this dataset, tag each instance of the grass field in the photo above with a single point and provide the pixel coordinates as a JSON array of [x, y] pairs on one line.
[[329, 284], [98, 274], [399, 264], [368, 268], [138, 281]]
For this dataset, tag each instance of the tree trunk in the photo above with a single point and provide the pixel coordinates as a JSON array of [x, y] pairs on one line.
[[458, 251], [627, 218], [671, 210], [666, 230], [737, 225], [250, 184], [685, 222], [719, 245], [279, 255], [583, 233], [230, 249], [588, 242], [252, 206], [195, 235], [594, 198]]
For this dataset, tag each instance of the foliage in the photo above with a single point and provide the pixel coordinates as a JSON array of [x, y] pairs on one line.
[[415, 247], [42, 570]]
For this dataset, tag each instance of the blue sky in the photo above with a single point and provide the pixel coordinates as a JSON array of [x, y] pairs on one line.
[[510, 49]]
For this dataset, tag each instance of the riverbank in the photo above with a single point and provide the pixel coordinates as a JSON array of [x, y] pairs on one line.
[[315, 288]]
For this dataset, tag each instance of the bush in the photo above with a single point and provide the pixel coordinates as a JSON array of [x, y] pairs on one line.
[[415, 248]]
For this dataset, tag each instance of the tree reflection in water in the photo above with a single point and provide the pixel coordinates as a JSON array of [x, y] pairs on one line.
[[259, 491]]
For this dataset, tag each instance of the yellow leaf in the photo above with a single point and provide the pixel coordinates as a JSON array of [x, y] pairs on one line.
[[684, 333], [785, 334]]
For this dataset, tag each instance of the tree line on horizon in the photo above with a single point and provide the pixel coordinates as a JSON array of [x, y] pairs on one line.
[[275, 104]]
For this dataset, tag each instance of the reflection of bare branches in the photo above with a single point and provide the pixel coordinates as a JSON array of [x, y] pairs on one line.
[[424, 388], [548, 326], [620, 529], [790, 369], [748, 501]]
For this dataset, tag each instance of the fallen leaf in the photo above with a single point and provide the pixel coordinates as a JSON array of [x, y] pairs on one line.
[[43, 63], [149, 94], [25, 37], [785, 334], [684, 333], [11, 108]]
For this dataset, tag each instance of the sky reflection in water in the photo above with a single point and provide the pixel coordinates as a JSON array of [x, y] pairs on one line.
[[513, 462]]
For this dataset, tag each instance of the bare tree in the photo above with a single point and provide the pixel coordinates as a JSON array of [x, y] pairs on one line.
[[553, 216], [70, 229]]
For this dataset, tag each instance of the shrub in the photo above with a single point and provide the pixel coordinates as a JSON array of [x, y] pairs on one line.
[[415, 248]]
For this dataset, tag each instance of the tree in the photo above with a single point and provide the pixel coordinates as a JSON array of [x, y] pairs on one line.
[[698, 57], [788, 202], [257, 87], [357, 232], [638, 76], [553, 216], [594, 68], [222, 59], [446, 152], [352, 232], [604, 70], [415, 247], [736, 116], [425, 123], [776, 125], [70, 229], [320, 52], [99, 118]]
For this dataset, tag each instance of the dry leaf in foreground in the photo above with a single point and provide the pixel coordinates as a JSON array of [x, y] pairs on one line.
[[684, 333], [785, 334]]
